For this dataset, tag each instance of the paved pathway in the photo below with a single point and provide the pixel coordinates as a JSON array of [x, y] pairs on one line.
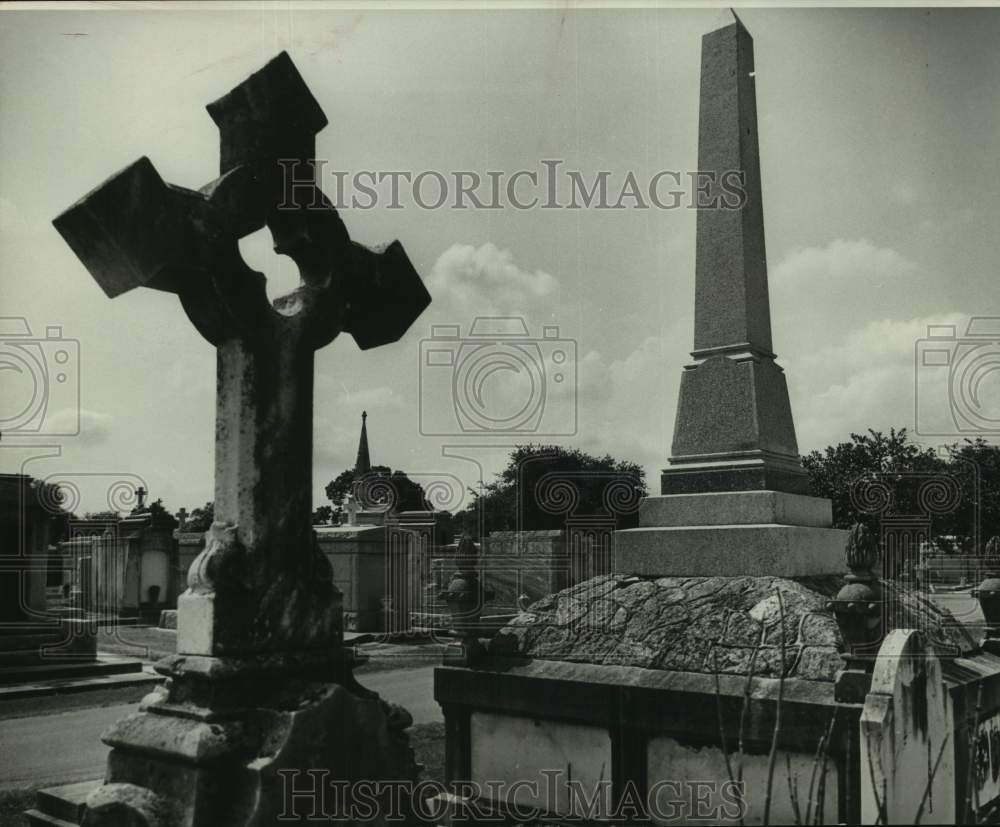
[[63, 747]]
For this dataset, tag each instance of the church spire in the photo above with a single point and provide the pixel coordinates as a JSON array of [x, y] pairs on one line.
[[363, 464]]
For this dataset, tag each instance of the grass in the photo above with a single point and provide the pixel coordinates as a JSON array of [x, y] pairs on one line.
[[12, 804]]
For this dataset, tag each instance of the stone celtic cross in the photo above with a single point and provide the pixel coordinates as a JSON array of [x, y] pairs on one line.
[[261, 584]]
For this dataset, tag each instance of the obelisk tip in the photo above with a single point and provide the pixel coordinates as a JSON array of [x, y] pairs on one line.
[[725, 18], [739, 22]]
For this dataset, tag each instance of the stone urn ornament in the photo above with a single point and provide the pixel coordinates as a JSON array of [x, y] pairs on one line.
[[465, 596], [857, 609]]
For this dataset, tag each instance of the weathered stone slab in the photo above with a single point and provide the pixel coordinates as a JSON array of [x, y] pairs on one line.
[[684, 624], [735, 508], [708, 624], [580, 754], [795, 551], [905, 728]]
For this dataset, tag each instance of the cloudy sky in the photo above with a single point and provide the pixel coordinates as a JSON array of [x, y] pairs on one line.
[[879, 134]]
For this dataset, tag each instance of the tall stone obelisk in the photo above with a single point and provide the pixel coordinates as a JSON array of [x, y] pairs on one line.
[[734, 427], [733, 499]]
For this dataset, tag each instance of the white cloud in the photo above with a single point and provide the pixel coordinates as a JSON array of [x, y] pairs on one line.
[[486, 281], [849, 357], [820, 293], [845, 262], [865, 379], [95, 427]]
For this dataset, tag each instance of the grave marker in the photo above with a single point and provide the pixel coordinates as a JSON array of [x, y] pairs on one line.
[[260, 675]]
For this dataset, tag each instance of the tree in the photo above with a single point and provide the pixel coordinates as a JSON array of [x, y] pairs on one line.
[[876, 475], [545, 486], [848, 473], [161, 517], [322, 515], [201, 519], [375, 488], [983, 463]]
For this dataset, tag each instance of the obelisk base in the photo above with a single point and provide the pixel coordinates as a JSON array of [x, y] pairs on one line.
[[731, 533], [750, 471], [734, 429]]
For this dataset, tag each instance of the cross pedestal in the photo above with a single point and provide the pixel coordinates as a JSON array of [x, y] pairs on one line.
[[735, 496], [261, 683]]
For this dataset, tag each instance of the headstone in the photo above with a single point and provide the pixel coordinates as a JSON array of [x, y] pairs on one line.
[[907, 767], [258, 685], [734, 497]]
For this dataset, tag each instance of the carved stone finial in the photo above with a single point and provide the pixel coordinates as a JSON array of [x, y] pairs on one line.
[[467, 553], [464, 596], [857, 609]]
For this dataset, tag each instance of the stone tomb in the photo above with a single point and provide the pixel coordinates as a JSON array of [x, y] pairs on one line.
[[122, 568], [625, 697], [381, 567]]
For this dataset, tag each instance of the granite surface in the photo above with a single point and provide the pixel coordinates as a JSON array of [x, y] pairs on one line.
[[704, 624]]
